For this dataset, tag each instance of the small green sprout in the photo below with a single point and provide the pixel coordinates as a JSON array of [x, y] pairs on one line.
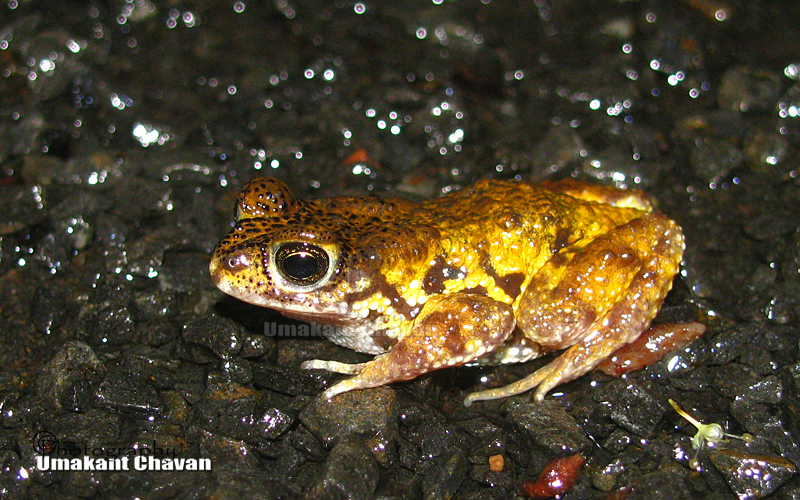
[[710, 434]]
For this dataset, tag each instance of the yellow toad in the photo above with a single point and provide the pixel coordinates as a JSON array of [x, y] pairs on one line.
[[500, 272]]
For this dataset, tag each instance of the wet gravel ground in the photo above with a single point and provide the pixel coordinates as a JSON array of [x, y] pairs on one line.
[[128, 127]]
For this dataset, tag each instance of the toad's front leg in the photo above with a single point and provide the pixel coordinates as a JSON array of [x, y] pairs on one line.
[[450, 330]]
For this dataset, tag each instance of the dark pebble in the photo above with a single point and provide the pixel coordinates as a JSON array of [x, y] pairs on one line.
[[365, 412], [665, 484], [48, 304], [249, 420], [445, 477], [20, 208], [220, 335], [480, 428], [157, 333], [68, 380], [227, 453], [767, 390], [256, 346], [759, 359], [307, 444], [712, 161], [139, 198], [504, 480], [772, 225], [428, 437], [404, 485], [12, 481], [107, 319], [634, 408], [606, 478], [743, 88], [734, 379], [289, 380], [594, 420], [273, 422], [94, 427], [237, 369], [550, 427], [149, 364], [237, 420], [768, 423], [128, 393], [154, 304], [752, 476], [349, 473], [617, 441]]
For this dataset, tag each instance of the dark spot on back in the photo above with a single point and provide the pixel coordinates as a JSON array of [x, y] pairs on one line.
[[440, 271], [562, 239], [510, 283], [558, 260]]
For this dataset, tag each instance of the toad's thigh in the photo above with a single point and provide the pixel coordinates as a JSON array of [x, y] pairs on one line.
[[581, 284]]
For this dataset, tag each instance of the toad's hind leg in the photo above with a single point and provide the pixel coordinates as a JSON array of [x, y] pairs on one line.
[[451, 330], [604, 296]]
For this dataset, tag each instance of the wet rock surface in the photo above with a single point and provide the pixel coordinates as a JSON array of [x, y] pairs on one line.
[[127, 129]]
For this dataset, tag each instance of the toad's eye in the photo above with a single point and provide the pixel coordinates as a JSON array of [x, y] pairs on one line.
[[302, 264]]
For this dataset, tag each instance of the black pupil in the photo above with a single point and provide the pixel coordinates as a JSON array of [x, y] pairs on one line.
[[301, 263]]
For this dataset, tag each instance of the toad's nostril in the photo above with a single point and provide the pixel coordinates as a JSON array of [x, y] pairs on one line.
[[236, 262]]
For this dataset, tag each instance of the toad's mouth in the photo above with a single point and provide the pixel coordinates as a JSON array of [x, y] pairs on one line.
[[301, 306]]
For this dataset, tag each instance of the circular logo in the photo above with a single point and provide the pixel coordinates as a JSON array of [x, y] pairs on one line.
[[45, 443]]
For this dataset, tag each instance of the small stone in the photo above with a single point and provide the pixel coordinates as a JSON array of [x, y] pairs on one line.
[[222, 336], [735, 380], [234, 454], [617, 441], [445, 477], [730, 344], [349, 473], [606, 478], [288, 380], [743, 89], [148, 364], [127, 393], [307, 444], [67, 381], [107, 318], [20, 207], [752, 476], [245, 419], [506, 479], [365, 412], [237, 369], [273, 423], [12, 481], [712, 161], [550, 427], [635, 409], [92, 428], [767, 390], [154, 304], [765, 150], [666, 483], [256, 346], [768, 424]]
